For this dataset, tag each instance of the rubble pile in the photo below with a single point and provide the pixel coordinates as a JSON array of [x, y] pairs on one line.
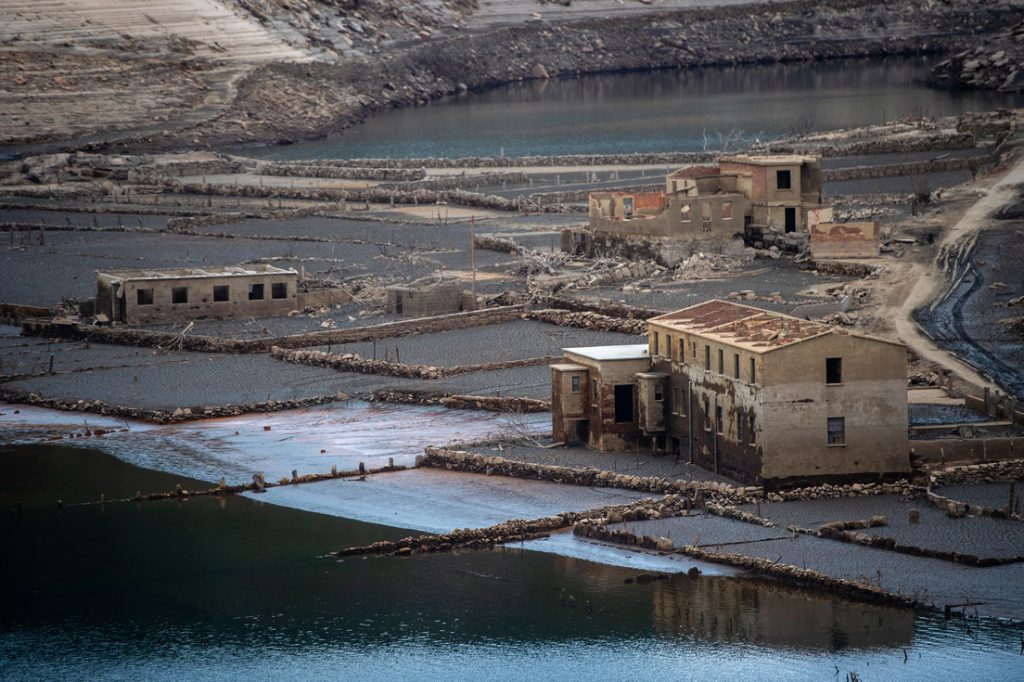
[[704, 266]]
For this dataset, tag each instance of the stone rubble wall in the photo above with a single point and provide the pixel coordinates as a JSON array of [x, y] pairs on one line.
[[334, 171], [588, 320], [486, 403], [621, 310], [597, 529], [515, 530], [148, 338], [636, 159], [377, 195], [258, 485], [843, 531], [186, 223], [911, 168], [181, 414], [456, 460], [991, 472], [351, 362]]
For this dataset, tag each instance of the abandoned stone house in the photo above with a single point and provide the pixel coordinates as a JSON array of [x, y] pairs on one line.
[[741, 196], [426, 296], [755, 395], [223, 292]]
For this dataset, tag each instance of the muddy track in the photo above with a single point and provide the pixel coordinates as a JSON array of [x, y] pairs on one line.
[[944, 323]]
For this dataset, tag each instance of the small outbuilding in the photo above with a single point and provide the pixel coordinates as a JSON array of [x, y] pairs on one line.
[[153, 296]]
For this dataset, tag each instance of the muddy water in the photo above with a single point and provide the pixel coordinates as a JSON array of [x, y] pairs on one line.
[[200, 589], [651, 112]]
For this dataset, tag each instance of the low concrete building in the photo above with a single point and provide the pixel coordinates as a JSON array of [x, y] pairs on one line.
[[756, 395], [425, 297], [221, 292]]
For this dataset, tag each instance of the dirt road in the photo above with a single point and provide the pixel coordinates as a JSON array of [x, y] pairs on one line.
[[929, 280]]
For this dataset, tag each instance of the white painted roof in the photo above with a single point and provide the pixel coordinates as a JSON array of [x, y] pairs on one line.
[[633, 351]]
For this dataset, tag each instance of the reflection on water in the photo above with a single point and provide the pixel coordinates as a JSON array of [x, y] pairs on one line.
[[653, 111], [183, 589]]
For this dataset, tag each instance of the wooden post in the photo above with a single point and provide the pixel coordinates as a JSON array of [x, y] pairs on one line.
[[472, 255]]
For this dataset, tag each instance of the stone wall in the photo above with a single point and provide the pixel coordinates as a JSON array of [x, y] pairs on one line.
[[147, 338], [994, 472], [942, 450], [910, 168], [588, 320], [181, 414], [597, 529], [486, 403], [350, 362], [442, 458]]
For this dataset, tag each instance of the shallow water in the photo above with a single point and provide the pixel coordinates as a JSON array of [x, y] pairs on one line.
[[685, 110], [182, 590]]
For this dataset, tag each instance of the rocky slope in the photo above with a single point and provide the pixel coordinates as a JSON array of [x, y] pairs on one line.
[[336, 62], [996, 64]]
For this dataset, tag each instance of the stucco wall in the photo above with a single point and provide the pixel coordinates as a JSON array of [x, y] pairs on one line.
[[872, 399], [200, 298], [604, 432], [844, 240]]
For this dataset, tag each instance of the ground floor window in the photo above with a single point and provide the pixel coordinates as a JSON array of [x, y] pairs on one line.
[[836, 430], [144, 296], [221, 292], [179, 295], [279, 290], [255, 292]]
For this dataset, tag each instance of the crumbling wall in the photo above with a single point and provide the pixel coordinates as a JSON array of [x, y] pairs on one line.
[[845, 240], [942, 450]]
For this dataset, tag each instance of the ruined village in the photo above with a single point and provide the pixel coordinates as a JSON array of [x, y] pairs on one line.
[[747, 389]]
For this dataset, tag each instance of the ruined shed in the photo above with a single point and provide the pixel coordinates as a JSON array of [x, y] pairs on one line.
[[148, 296], [425, 297]]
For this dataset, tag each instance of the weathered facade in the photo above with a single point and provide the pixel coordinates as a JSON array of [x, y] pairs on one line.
[[595, 398], [222, 292], [844, 240], [781, 189], [712, 208], [755, 395], [425, 297]]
